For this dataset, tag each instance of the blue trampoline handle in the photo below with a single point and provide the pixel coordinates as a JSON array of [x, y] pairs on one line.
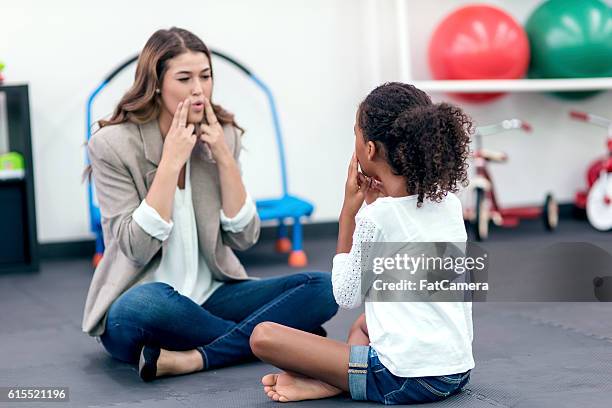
[[277, 131]]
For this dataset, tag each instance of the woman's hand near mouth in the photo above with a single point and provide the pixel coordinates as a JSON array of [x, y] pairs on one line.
[[179, 140], [212, 134], [233, 193]]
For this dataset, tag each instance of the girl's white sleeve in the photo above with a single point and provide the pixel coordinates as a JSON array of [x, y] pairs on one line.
[[346, 270]]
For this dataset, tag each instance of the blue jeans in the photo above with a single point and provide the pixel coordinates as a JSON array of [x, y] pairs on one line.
[[370, 380], [155, 314]]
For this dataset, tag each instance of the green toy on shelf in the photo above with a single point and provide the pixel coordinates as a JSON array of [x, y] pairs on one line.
[[1, 76], [12, 166], [571, 39]]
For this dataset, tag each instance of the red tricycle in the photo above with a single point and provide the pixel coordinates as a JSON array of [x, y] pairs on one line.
[[486, 206], [597, 199]]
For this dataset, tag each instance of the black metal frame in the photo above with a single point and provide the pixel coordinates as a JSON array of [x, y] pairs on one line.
[[19, 134]]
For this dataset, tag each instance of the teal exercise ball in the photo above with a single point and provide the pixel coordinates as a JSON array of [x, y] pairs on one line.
[[570, 39]]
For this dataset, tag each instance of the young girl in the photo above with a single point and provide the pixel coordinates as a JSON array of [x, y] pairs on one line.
[[412, 154]]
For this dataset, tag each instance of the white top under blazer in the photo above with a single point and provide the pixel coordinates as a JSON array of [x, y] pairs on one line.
[[182, 265]]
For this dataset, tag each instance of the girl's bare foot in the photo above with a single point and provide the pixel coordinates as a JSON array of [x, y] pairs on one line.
[[286, 387]]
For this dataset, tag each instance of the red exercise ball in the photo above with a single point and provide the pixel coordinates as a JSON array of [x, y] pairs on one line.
[[479, 42]]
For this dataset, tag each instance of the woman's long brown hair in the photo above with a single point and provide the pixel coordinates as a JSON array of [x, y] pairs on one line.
[[141, 103]]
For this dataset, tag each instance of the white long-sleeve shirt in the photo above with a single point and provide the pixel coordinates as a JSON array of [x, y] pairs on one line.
[[412, 339], [182, 265]]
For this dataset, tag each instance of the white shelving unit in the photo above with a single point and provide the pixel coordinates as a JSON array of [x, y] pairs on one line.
[[477, 86]]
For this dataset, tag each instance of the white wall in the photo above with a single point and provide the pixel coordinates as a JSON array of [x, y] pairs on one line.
[[316, 55]]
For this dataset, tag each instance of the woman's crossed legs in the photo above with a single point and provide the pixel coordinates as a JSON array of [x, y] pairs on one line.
[[216, 334]]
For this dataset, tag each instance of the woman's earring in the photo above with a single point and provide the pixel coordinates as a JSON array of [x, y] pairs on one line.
[[157, 91]]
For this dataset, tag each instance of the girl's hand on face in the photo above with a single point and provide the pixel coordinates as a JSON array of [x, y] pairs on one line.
[[372, 188], [213, 136], [180, 139], [353, 194]]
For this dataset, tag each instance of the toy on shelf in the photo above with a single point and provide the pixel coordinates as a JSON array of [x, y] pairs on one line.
[[12, 166], [486, 206], [479, 42], [1, 76], [597, 199], [571, 39]]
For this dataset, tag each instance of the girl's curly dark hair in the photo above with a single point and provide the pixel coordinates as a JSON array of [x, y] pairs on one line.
[[426, 143]]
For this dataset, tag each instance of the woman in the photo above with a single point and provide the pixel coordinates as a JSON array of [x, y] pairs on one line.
[[169, 292]]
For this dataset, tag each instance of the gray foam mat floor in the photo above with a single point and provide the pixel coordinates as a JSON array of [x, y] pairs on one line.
[[527, 354]]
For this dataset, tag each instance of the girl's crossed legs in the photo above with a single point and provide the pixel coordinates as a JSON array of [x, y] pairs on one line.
[[315, 367]]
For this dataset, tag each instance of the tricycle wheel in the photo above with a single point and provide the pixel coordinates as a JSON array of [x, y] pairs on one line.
[[599, 209], [481, 226], [550, 213]]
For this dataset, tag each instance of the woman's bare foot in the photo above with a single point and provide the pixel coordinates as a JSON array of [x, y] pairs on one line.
[[286, 387], [179, 362]]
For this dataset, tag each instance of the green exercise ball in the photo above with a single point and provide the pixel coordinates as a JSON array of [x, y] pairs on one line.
[[570, 39]]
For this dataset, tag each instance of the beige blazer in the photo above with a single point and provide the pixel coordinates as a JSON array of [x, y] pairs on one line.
[[124, 159]]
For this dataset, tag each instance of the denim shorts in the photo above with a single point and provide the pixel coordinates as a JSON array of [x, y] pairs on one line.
[[370, 380]]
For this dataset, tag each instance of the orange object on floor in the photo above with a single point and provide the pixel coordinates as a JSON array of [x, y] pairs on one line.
[[283, 245], [298, 259], [96, 260]]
